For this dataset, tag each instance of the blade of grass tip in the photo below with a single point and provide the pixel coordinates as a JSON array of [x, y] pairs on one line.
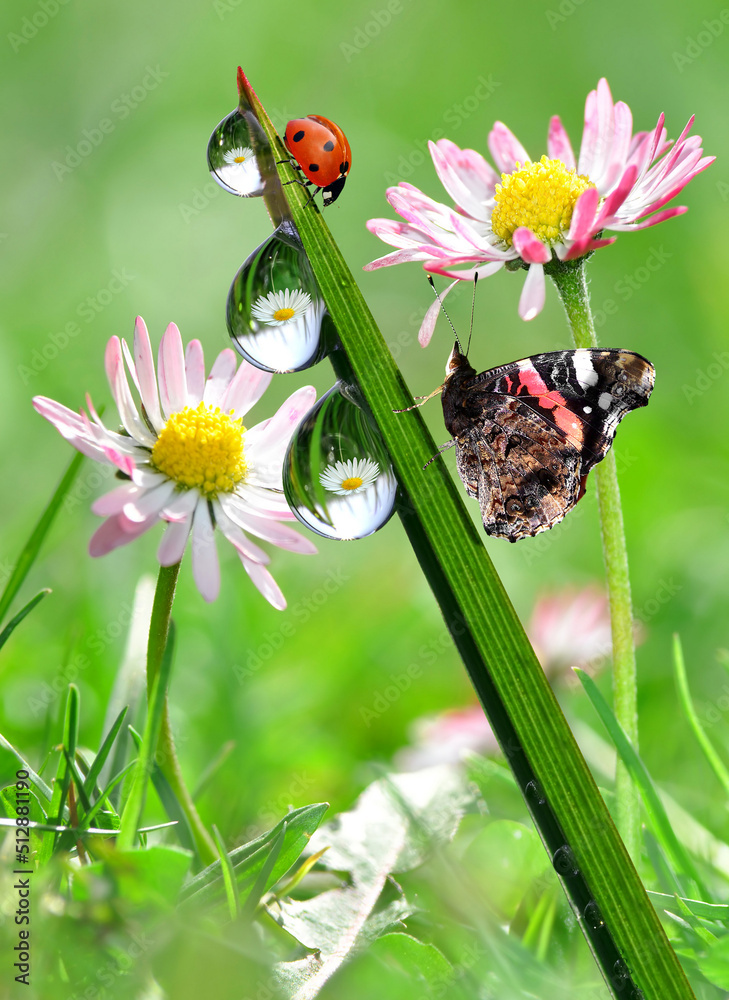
[[145, 762], [259, 886], [301, 872], [45, 790], [696, 923], [718, 912], [687, 704], [100, 758], [14, 622], [654, 807], [103, 798], [28, 556], [226, 868], [168, 799]]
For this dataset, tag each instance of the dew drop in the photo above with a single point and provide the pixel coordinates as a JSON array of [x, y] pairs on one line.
[[275, 313], [337, 475], [564, 862], [535, 793], [593, 916], [239, 155]]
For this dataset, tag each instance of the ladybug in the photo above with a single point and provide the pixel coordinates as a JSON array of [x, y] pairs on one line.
[[320, 149]]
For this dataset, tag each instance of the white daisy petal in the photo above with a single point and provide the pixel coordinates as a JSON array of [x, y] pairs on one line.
[[280, 308], [352, 476]]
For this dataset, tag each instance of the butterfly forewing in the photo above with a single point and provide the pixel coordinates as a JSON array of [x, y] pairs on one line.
[[527, 433]]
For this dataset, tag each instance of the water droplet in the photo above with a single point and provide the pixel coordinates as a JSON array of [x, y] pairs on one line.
[[337, 475], [564, 862], [239, 155], [275, 312], [621, 974], [534, 793], [593, 916]]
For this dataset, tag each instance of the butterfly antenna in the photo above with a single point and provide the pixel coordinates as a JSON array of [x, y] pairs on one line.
[[473, 307], [435, 290]]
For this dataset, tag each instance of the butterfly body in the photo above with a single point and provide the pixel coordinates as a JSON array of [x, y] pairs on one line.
[[527, 433]]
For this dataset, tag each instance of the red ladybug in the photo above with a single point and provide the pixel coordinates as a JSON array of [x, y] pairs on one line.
[[321, 149]]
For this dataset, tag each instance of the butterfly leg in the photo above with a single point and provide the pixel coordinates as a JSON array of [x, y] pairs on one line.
[[443, 447]]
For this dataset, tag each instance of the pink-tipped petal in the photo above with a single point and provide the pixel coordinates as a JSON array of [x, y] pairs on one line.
[[194, 372], [583, 214], [205, 565], [247, 387], [531, 301], [220, 377], [529, 247], [427, 327], [231, 530], [505, 148], [265, 583], [144, 364], [115, 532], [171, 366], [174, 541], [281, 426], [559, 146], [133, 424], [463, 184], [268, 530], [113, 502]]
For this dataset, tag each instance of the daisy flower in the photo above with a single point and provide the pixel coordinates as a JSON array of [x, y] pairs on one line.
[[185, 457], [353, 476], [278, 308], [240, 155], [239, 172], [533, 213]]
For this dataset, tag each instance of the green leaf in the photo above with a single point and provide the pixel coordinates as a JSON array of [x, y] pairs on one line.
[[516, 695], [58, 810], [505, 859], [708, 911], [45, 790], [714, 964], [250, 859], [14, 622], [420, 962], [143, 878], [226, 868], [28, 556], [662, 829]]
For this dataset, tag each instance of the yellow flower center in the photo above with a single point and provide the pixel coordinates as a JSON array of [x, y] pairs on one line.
[[283, 314], [353, 483], [202, 447], [239, 159], [540, 196]]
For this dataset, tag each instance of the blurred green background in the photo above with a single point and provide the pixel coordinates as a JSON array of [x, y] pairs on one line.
[[137, 226]]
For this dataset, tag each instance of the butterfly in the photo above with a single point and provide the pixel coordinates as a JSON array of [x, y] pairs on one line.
[[527, 434]]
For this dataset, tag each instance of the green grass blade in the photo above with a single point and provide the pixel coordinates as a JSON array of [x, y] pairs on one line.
[[14, 622], [262, 881], [103, 753], [702, 739], [660, 824], [226, 869], [28, 556], [519, 702], [45, 790]]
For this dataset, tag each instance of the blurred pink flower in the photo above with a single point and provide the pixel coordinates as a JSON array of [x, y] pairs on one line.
[[184, 457], [441, 739], [531, 212]]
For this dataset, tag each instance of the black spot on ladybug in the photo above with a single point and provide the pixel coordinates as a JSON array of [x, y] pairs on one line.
[[329, 146], [313, 167], [298, 136], [344, 167]]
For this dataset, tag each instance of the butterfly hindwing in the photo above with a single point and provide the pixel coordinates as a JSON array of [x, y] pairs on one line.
[[527, 433]]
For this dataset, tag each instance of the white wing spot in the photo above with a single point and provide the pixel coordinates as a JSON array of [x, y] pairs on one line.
[[587, 409], [584, 369], [605, 400]]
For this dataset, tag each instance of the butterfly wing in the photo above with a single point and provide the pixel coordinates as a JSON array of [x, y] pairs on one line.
[[528, 433]]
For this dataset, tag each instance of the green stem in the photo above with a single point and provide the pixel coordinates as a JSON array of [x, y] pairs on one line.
[[572, 287], [158, 731]]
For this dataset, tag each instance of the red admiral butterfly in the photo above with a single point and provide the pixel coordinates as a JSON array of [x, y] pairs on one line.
[[527, 433]]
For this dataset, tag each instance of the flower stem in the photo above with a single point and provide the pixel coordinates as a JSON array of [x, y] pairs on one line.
[[169, 765], [572, 287]]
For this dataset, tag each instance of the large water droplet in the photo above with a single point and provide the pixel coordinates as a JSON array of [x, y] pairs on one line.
[[275, 312], [337, 475], [239, 154], [564, 862]]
